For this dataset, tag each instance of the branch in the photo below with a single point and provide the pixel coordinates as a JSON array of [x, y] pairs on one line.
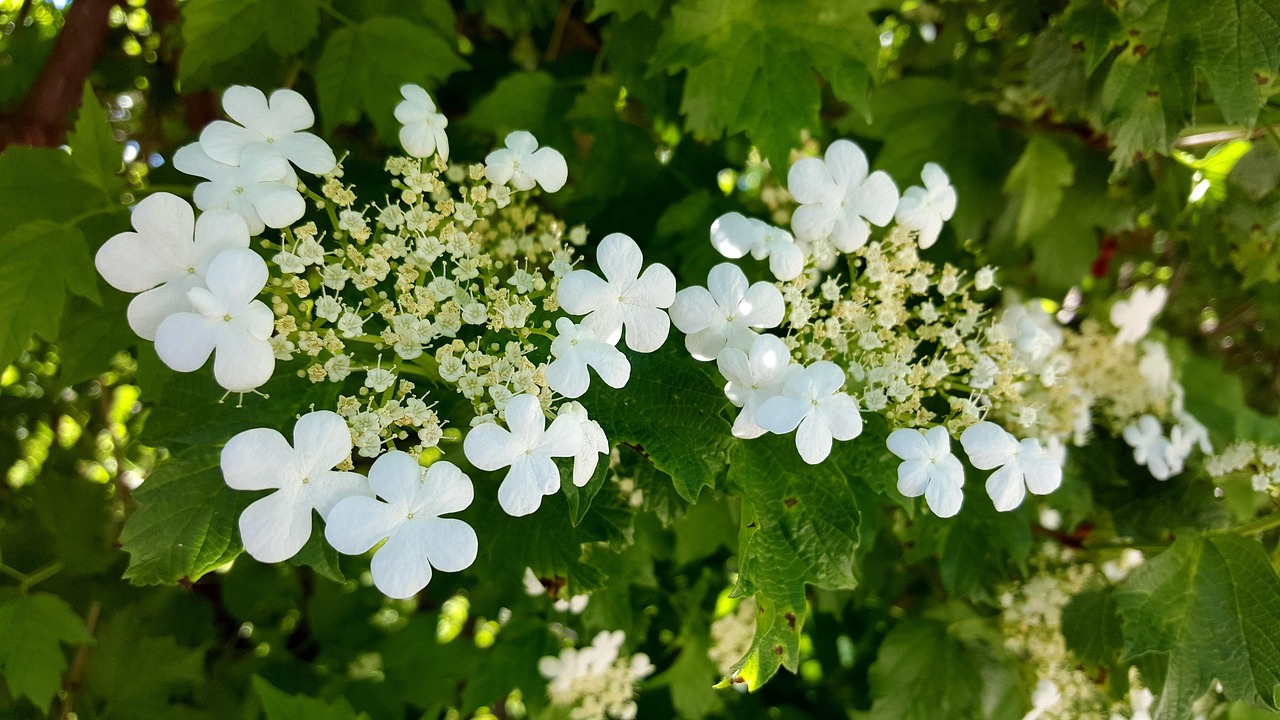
[[42, 118]]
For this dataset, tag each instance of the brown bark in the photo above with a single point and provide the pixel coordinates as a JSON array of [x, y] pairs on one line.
[[42, 118]]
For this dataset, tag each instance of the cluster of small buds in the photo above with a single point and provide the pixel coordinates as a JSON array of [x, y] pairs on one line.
[[731, 637], [596, 682], [1031, 621], [1260, 463]]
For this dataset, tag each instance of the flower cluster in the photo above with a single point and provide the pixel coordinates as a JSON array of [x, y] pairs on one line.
[[596, 682], [731, 637], [1259, 463]]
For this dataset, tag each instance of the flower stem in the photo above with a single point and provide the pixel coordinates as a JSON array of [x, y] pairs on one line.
[[1260, 525]]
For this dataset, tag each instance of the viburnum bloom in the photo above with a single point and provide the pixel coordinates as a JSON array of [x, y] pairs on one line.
[[723, 313], [227, 321], [1152, 449], [811, 401], [925, 209], [576, 348], [527, 448], [408, 517], [1022, 465], [524, 164], [275, 528], [837, 197], [624, 298], [422, 134], [754, 377], [1133, 317], [735, 235], [262, 188], [594, 442], [273, 125], [167, 255], [928, 468]]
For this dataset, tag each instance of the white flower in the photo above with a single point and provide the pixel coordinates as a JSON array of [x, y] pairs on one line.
[[754, 377], [166, 256], [262, 189], [575, 348], [723, 313], [1045, 698], [928, 468], [734, 235], [1023, 465], [1154, 367], [227, 319], [417, 538], [527, 448], [523, 164], [811, 400], [1152, 449], [423, 132], [924, 209], [1132, 317], [276, 527], [594, 442], [625, 298], [1034, 333], [836, 195], [273, 125]]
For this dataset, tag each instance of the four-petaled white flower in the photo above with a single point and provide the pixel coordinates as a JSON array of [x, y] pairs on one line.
[[1152, 449], [422, 134], [1023, 465], [1132, 317], [723, 313], [576, 348], [594, 442], [524, 164], [924, 209], [735, 235], [408, 518], [624, 298], [928, 468], [166, 256], [837, 197], [262, 189], [276, 527], [812, 402], [228, 320], [273, 125], [754, 377], [527, 448]]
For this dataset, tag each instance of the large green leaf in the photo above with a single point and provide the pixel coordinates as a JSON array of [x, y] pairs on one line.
[[1036, 184], [216, 31], [136, 674], [93, 146], [186, 523], [801, 525], [670, 409], [41, 262], [279, 705], [1206, 609], [923, 671], [33, 628]]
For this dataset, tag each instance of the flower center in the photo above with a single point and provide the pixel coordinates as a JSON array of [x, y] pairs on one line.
[[306, 480], [239, 189], [408, 516], [226, 317]]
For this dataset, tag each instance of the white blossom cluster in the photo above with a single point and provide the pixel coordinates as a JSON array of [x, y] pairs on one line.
[[731, 637], [596, 682], [1260, 463]]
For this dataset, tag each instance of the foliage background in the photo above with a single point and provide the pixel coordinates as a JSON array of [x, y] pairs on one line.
[[1093, 143]]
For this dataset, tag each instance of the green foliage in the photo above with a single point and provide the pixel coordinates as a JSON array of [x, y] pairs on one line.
[[1204, 610], [35, 300], [279, 705], [216, 31], [33, 628]]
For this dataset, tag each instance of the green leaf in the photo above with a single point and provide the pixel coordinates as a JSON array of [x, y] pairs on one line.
[[1094, 25], [136, 674], [185, 524], [1091, 627], [279, 705], [545, 541], [1204, 610], [33, 628], [751, 65], [516, 16], [670, 409], [216, 31], [1036, 184], [42, 184], [801, 525], [625, 8], [320, 556], [923, 672], [41, 262], [362, 68], [93, 146], [91, 335], [981, 548]]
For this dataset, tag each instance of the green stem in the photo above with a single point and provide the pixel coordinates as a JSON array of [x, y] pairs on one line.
[[1260, 525], [25, 581], [333, 13], [11, 572]]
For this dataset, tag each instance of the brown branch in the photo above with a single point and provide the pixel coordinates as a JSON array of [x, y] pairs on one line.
[[77, 667], [42, 118]]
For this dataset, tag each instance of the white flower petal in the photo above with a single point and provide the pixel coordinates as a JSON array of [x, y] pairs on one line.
[[988, 445], [325, 489], [148, 310], [813, 439], [323, 439], [781, 414], [786, 261], [450, 545], [400, 567], [236, 276], [913, 476], [646, 329], [307, 152], [276, 527], [185, 340], [548, 167], [620, 259], [809, 181], [908, 444], [694, 309], [1006, 487], [257, 459], [525, 485], [355, 524], [945, 494], [242, 363], [732, 235], [762, 306]]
